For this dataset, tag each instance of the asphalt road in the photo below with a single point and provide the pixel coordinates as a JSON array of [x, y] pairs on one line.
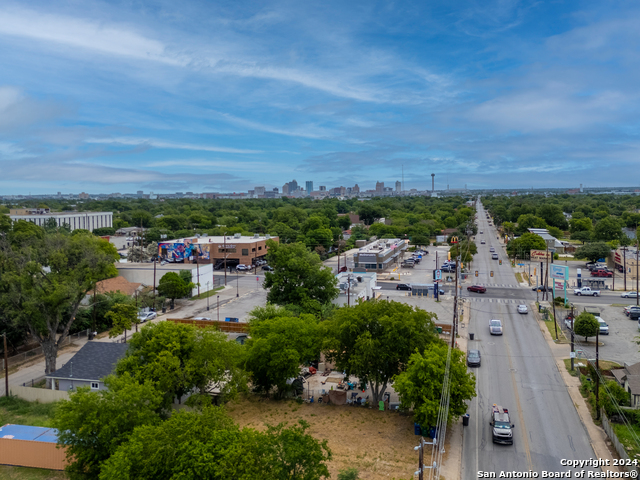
[[519, 373]]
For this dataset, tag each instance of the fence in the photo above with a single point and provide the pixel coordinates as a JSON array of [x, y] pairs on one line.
[[622, 451], [227, 327], [42, 395], [352, 395], [23, 357]]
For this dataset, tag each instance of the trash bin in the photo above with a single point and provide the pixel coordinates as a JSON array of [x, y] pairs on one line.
[[471, 335], [417, 429], [465, 420], [439, 329]]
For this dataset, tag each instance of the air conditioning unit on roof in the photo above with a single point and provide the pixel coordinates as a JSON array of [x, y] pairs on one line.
[[237, 235]]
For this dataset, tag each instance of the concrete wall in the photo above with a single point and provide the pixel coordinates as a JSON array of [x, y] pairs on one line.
[[143, 273], [42, 395]]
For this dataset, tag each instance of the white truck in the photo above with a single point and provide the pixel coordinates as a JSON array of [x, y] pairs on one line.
[[586, 291]]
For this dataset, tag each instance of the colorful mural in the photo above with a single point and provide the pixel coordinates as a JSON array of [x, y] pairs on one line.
[[179, 252]]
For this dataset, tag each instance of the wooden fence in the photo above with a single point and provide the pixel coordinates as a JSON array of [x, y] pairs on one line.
[[227, 327]]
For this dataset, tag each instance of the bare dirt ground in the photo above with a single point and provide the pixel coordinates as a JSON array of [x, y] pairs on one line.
[[379, 444]]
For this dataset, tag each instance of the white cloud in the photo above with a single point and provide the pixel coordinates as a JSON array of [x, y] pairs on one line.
[[150, 142]]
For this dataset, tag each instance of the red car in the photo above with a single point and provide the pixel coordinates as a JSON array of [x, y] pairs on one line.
[[601, 273], [477, 288]]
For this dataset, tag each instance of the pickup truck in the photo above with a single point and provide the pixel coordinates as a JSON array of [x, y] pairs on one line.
[[586, 291]]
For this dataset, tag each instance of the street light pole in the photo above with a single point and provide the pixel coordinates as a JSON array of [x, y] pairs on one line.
[[208, 296], [237, 287], [225, 259]]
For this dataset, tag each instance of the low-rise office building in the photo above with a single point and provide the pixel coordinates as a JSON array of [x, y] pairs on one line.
[[235, 249], [379, 255], [75, 220]]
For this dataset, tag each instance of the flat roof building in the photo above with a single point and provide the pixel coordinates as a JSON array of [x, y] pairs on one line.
[[379, 255], [75, 220]]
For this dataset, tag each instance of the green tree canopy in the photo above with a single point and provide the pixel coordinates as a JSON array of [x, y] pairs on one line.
[[122, 317], [529, 221], [173, 286], [583, 224], [593, 251], [465, 249], [582, 236], [523, 245], [298, 277], [607, 229], [585, 325], [420, 386], [374, 340]]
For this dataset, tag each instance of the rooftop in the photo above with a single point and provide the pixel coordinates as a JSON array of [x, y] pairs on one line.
[[382, 246], [27, 432], [229, 239], [94, 361], [117, 284]]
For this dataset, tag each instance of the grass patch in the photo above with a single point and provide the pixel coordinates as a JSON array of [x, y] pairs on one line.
[[627, 439], [567, 364], [22, 473], [552, 330], [19, 411], [210, 293], [519, 277]]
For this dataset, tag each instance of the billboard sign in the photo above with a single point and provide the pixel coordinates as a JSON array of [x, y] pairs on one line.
[[540, 255], [560, 272]]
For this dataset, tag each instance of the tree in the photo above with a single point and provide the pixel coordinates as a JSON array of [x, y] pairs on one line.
[[583, 224], [607, 229], [172, 286], [209, 446], [466, 250], [298, 277], [278, 347], [585, 325], [529, 221], [552, 215], [555, 232], [344, 222], [582, 236], [122, 317], [369, 212], [47, 276], [420, 386], [93, 424], [593, 251], [374, 340], [523, 245]]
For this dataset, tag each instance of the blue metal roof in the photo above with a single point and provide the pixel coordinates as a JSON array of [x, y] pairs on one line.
[[27, 432]]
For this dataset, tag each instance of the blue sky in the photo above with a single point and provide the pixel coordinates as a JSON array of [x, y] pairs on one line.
[[224, 95]]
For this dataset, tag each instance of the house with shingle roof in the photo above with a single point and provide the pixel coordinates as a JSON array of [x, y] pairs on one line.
[[629, 378], [118, 284], [88, 367]]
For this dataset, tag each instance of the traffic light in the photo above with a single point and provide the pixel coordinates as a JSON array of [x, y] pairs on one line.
[[461, 265], [492, 273], [500, 262], [476, 273]]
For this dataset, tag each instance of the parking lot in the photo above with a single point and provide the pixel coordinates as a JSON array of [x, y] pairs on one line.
[[619, 345]]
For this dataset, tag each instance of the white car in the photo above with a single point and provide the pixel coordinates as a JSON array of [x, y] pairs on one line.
[[523, 309], [492, 249], [482, 242], [144, 316], [629, 295], [495, 327], [243, 268]]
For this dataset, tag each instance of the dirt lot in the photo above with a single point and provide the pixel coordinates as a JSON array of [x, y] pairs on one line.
[[379, 444]]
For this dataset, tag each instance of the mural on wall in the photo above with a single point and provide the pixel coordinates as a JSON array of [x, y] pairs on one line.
[[179, 252]]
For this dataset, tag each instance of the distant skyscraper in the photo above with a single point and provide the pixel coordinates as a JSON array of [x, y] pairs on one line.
[[379, 187], [355, 189], [398, 186], [293, 186], [259, 190], [285, 189], [309, 186], [323, 188]]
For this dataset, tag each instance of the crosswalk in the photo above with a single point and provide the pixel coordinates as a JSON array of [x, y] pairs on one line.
[[496, 300], [508, 285]]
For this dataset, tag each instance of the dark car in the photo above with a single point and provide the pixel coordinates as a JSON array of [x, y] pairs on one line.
[[448, 268], [540, 288], [403, 286], [473, 358], [634, 313], [477, 289], [267, 268]]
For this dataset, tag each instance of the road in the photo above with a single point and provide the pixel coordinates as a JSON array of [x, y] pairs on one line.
[[519, 373]]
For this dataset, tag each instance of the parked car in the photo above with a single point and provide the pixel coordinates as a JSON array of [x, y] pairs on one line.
[[144, 316], [628, 308], [633, 313], [403, 286], [482, 242], [604, 328], [523, 309], [495, 327], [629, 295], [267, 268], [494, 256], [243, 268], [473, 358], [448, 268], [477, 289]]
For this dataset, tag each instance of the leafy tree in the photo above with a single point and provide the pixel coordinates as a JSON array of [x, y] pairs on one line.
[[582, 236], [523, 245], [420, 386], [105, 231], [583, 224], [593, 251], [465, 249], [374, 340], [298, 277], [93, 424], [46, 277], [552, 215], [122, 317], [613, 395], [607, 229], [172, 286], [344, 222], [209, 446], [278, 347], [419, 240], [529, 221], [555, 232], [585, 325], [369, 213]]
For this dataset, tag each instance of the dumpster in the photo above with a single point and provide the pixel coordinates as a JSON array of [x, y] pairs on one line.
[[465, 420], [439, 329]]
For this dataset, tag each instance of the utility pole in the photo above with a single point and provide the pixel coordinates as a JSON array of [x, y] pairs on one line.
[[93, 310], [624, 263], [421, 460], [6, 366], [455, 309], [637, 247], [225, 259], [555, 319], [155, 260], [545, 295], [597, 376], [572, 343], [218, 307]]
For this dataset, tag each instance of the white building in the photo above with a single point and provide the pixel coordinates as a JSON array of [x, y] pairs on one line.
[[75, 220]]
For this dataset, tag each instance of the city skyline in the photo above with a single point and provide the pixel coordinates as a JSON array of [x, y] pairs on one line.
[[214, 96]]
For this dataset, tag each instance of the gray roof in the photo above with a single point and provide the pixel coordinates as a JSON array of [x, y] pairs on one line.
[[94, 361]]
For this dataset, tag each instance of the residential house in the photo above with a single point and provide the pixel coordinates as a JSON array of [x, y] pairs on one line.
[[629, 378]]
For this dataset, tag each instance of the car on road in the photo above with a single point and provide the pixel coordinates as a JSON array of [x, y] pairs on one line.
[[629, 295], [601, 273], [473, 358], [586, 291], [403, 286], [523, 309], [481, 232], [482, 242], [495, 327], [144, 316], [492, 249], [477, 289], [243, 268], [494, 256], [269, 268], [541, 288], [448, 268]]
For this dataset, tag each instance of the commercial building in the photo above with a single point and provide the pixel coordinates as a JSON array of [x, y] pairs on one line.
[[309, 187], [625, 261], [75, 220], [379, 255], [379, 187], [398, 186], [236, 249], [355, 286]]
